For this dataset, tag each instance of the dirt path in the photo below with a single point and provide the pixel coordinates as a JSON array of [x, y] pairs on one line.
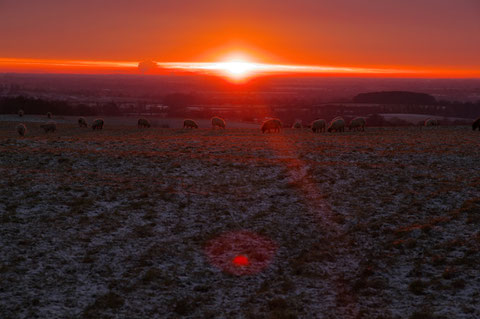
[[334, 292]]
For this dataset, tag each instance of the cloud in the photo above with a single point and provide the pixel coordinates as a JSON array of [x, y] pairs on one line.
[[147, 66]]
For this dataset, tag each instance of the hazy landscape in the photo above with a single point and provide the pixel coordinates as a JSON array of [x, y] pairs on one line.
[[254, 159]]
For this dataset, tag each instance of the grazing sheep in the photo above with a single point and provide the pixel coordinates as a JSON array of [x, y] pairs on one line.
[[21, 129], [318, 126], [217, 121], [336, 118], [431, 122], [97, 124], [189, 124], [49, 115], [297, 125], [271, 125], [143, 123], [21, 113], [337, 125], [357, 123], [476, 124], [82, 122], [49, 127]]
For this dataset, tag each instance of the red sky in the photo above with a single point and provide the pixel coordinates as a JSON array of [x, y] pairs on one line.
[[441, 36]]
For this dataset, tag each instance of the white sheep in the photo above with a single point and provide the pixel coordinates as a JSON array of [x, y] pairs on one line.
[[357, 123], [319, 125], [337, 125], [271, 125], [217, 121]]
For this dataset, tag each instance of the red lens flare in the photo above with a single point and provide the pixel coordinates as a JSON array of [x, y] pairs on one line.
[[240, 252], [241, 261]]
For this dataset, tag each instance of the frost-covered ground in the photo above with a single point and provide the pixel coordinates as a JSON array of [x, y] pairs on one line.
[[128, 223]]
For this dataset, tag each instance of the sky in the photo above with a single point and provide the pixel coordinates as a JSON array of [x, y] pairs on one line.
[[435, 35]]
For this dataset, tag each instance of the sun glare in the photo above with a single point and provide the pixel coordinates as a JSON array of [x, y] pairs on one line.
[[236, 66], [237, 69]]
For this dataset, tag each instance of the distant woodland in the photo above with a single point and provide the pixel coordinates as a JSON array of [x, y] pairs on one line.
[[395, 97], [370, 105]]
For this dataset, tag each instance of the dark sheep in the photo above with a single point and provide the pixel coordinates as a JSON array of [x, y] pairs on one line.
[[82, 122], [97, 124], [297, 125], [143, 123], [476, 124], [190, 124], [21, 129], [431, 122]]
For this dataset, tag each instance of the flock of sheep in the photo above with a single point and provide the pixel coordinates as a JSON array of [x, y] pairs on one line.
[[275, 125], [51, 126], [270, 125]]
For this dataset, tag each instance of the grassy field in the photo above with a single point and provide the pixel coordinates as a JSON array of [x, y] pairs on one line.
[[129, 223]]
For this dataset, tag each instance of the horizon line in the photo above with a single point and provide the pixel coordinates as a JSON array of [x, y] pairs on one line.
[[221, 68]]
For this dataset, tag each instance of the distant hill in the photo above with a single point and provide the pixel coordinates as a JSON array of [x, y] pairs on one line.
[[395, 97]]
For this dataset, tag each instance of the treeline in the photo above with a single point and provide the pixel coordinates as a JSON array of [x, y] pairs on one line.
[[178, 103], [395, 97], [288, 110], [11, 105], [417, 103]]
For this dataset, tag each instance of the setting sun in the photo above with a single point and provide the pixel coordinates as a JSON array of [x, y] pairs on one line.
[[237, 69]]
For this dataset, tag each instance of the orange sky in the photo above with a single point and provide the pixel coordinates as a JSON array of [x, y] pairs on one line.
[[437, 37]]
